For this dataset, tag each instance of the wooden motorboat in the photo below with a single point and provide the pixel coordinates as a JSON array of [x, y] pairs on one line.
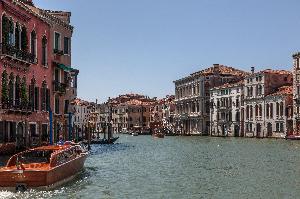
[[42, 168], [104, 140]]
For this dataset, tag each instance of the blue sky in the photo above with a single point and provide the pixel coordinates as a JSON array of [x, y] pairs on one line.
[[141, 46]]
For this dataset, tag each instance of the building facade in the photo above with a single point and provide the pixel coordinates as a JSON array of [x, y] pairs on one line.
[[296, 93], [27, 57], [192, 97], [257, 87], [226, 113]]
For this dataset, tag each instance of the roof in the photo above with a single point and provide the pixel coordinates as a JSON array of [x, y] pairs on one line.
[[80, 102], [45, 15], [230, 85], [221, 70], [271, 71], [284, 90]]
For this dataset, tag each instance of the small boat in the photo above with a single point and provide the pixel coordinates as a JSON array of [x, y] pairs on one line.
[[134, 133], [42, 168], [104, 140], [292, 137], [158, 135]]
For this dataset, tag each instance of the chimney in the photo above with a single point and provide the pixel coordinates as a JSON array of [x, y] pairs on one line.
[[216, 68], [252, 70]]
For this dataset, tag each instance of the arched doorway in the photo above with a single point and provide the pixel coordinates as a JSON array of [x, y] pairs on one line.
[[20, 139]]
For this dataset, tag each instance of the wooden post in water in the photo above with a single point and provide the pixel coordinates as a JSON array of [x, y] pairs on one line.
[[89, 137]]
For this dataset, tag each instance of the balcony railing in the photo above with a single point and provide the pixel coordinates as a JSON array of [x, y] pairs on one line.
[[58, 52], [17, 106], [59, 87], [16, 53]]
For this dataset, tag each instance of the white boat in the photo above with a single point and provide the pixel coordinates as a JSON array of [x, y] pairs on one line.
[[134, 133]]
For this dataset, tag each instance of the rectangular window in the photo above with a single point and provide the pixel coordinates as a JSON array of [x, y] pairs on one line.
[[33, 131], [36, 98], [66, 45], [56, 41], [57, 105], [45, 135], [66, 108], [47, 99]]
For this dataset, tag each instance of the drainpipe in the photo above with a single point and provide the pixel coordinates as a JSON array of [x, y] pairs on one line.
[[51, 127], [70, 126]]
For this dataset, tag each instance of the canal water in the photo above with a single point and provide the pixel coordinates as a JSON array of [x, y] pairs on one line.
[[185, 167]]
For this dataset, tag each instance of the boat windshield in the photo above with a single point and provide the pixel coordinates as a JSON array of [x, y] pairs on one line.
[[36, 156]]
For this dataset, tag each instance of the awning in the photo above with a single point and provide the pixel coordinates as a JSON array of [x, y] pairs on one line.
[[64, 67]]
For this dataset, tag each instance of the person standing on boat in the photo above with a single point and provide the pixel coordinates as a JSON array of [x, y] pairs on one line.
[[61, 140]]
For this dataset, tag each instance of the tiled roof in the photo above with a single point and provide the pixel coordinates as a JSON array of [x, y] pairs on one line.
[[230, 85], [222, 70], [284, 90], [44, 14], [282, 72], [80, 102]]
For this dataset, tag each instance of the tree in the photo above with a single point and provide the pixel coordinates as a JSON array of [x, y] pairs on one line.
[[4, 88], [24, 96]]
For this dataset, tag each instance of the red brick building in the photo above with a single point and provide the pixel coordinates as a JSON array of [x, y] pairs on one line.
[[36, 72]]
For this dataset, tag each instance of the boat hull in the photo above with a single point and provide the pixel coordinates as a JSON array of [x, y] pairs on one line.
[[158, 135], [41, 179], [293, 137], [105, 141]]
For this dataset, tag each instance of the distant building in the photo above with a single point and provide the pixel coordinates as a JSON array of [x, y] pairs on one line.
[[192, 97], [82, 110], [279, 122], [162, 113], [226, 113], [296, 93], [259, 87]]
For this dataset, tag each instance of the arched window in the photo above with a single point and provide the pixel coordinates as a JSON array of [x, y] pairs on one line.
[[44, 96], [256, 111], [44, 51], [267, 110], [271, 110], [31, 94], [277, 109], [260, 110], [24, 39], [5, 29], [281, 108], [11, 36], [17, 36], [33, 43]]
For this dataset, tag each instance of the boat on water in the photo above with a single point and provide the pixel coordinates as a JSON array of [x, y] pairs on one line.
[[293, 137], [42, 168], [158, 135], [134, 133], [104, 140]]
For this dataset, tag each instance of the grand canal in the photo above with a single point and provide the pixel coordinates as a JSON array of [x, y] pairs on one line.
[[185, 167]]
